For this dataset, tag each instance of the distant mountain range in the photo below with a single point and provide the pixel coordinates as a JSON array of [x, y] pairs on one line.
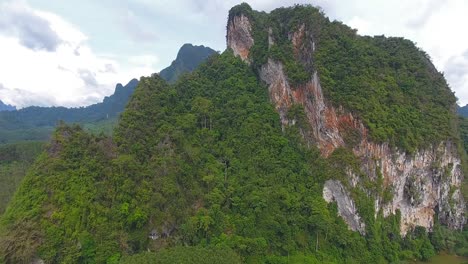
[[5, 107], [463, 110], [35, 116], [36, 123]]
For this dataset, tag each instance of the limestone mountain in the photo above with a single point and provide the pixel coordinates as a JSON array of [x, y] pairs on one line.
[[5, 107], [369, 111], [303, 142], [187, 60]]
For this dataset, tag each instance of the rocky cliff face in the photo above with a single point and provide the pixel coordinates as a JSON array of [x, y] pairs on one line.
[[421, 184], [239, 36], [334, 191]]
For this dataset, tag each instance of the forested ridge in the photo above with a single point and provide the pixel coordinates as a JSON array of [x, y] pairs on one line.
[[202, 170]]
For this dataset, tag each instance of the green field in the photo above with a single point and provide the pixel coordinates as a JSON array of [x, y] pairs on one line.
[[445, 259]]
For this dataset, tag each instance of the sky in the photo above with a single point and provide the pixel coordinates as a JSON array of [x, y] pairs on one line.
[[73, 53]]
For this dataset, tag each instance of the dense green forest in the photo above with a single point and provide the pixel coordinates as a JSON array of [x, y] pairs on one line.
[[464, 132], [201, 163], [15, 160], [202, 170]]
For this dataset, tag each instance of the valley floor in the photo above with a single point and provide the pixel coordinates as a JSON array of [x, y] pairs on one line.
[[445, 259]]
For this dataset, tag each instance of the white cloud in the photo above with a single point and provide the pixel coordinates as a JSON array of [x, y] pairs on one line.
[[9, 96], [360, 24], [456, 69], [32, 31], [37, 71]]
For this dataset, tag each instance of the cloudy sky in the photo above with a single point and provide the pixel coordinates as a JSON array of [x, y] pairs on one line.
[[72, 53]]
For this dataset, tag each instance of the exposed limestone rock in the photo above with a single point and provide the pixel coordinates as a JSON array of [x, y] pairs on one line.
[[334, 191], [432, 172], [271, 40], [239, 37], [297, 39], [421, 184], [323, 119], [302, 40], [280, 91]]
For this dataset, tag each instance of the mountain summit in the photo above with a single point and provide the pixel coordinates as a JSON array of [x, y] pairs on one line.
[[188, 58]]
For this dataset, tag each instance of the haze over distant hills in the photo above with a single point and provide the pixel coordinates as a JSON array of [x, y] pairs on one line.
[[463, 110], [6, 107], [36, 123]]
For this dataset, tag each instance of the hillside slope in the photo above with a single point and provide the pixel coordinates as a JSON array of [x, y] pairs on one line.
[[15, 160], [263, 151]]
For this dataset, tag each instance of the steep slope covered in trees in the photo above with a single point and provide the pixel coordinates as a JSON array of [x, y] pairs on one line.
[[244, 158], [15, 159], [464, 132]]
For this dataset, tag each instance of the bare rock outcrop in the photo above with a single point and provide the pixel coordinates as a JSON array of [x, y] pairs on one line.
[[239, 36], [334, 191]]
